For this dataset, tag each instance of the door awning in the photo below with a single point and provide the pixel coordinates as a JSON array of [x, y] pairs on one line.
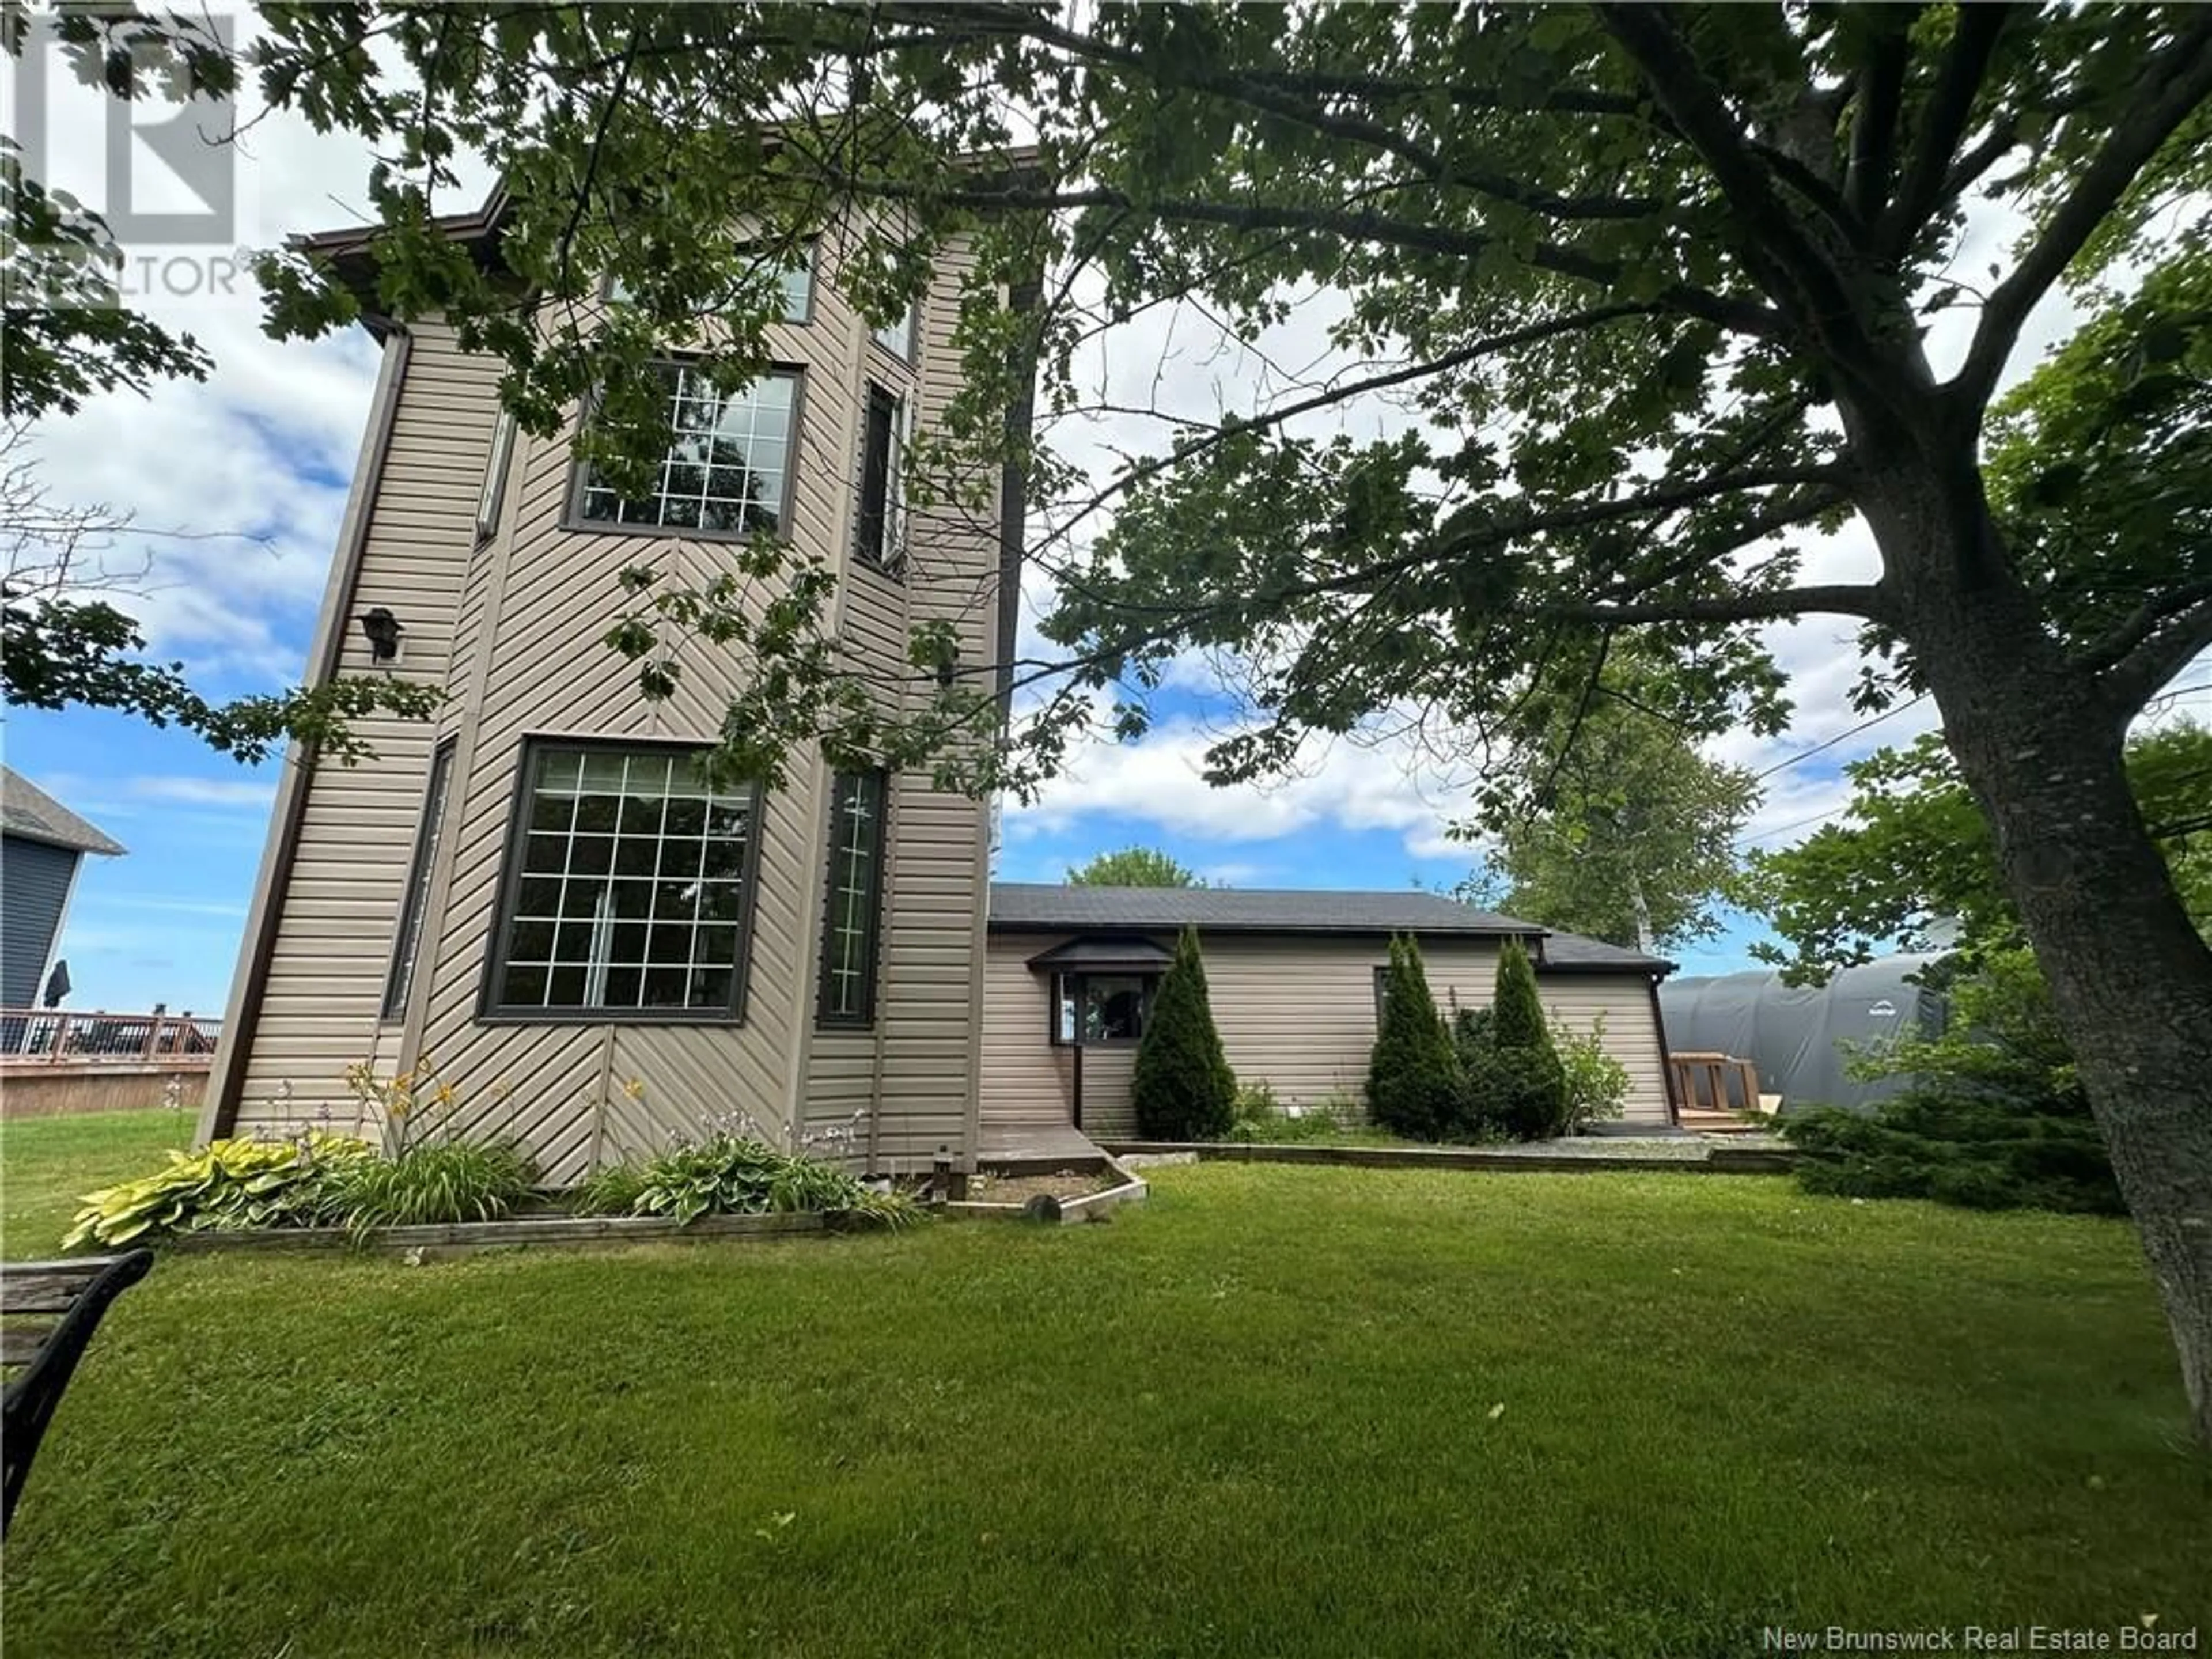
[[1100, 953]]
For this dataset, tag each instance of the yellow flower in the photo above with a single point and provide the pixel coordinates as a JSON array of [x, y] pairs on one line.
[[635, 1088]]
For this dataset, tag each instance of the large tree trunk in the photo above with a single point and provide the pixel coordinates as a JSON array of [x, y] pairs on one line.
[[2129, 976]]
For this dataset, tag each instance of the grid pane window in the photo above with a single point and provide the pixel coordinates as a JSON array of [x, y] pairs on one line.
[[853, 914], [727, 464], [628, 887], [897, 337]]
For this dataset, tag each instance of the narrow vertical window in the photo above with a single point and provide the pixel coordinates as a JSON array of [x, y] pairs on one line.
[[415, 901], [882, 532], [852, 919], [494, 494]]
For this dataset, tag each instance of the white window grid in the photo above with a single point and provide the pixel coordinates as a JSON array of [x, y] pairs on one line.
[[725, 466], [620, 939], [855, 835]]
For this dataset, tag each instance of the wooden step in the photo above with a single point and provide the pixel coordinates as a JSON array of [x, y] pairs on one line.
[[1700, 1121]]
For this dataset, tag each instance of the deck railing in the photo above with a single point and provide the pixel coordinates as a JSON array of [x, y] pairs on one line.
[[53, 1036]]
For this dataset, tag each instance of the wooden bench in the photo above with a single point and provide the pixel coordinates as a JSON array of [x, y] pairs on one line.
[[50, 1310]]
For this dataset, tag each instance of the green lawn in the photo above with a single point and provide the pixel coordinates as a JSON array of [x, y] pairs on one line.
[[1261, 1415], [48, 1163]]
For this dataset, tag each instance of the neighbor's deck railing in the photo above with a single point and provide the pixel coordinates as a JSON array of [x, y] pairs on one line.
[[37, 1036]]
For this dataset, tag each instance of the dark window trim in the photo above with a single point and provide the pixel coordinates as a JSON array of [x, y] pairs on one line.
[[872, 969], [491, 499], [407, 935], [893, 460], [572, 512], [489, 1013], [1382, 992], [1149, 983]]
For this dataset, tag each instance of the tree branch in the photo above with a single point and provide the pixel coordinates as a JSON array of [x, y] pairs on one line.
[[2175, 82], [1775, 239], [1878, 102], [1262, 94], [2136, 659], [1943, 124], [1735, 315], [1836, 598]]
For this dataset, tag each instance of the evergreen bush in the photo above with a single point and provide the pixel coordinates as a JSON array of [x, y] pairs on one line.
[[1994, 1118], [1521, 1086], [1415, 1085], [1183, 1089]]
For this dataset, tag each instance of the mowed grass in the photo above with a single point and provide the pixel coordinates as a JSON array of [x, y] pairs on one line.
[[48, 1163], [1277, 1411]]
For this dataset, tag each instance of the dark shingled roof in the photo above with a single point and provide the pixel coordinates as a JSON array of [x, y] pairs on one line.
[[29, 812], [1041, 907]]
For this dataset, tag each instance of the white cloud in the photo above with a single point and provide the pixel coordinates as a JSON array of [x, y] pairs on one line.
[[1160, 780], [255, 794]]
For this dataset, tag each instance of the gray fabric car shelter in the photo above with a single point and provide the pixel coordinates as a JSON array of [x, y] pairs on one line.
[[1796, 1034]]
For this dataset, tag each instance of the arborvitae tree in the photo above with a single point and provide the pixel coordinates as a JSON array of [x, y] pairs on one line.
[[1516, 1009], [1414, 1086], [1524, 1089], [1183, 1089]]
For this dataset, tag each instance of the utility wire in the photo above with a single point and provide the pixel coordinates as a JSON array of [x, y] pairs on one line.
[[1840, 736]]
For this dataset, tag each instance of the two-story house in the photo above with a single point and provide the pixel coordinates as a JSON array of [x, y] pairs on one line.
[[533, 894]]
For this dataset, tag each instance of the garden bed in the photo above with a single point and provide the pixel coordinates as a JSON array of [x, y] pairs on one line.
[[1685, 1153], [513, 1232], [1060, 1199]]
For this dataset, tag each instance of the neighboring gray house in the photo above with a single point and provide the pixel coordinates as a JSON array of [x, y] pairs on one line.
[[42, 846]]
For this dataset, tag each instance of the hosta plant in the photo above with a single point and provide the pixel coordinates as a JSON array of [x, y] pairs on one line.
[[728, 1174], [227, 1184]]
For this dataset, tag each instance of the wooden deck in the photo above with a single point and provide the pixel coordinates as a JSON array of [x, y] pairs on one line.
[[1036, 1147]]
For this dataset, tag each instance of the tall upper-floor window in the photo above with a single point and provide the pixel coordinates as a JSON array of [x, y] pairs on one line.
[[415, 901], [879, 533], [628, 889], [729, 467], [791, 272], [852, 921]]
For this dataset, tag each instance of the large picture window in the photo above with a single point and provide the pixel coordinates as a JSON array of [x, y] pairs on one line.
[[853, 916], [628, 888], [729, 467]]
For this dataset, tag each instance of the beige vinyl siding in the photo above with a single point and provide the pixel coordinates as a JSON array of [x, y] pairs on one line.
[[1296, 1013], [325, 971], [1632, 1032], [513, 630]]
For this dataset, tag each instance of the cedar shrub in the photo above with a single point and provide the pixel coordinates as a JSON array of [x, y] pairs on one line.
[[1414, 1084], [1183, 1089]]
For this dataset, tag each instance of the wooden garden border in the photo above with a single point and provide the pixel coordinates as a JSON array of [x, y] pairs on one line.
[[1718, 1160], [1129, 1189], [460, 1238]]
